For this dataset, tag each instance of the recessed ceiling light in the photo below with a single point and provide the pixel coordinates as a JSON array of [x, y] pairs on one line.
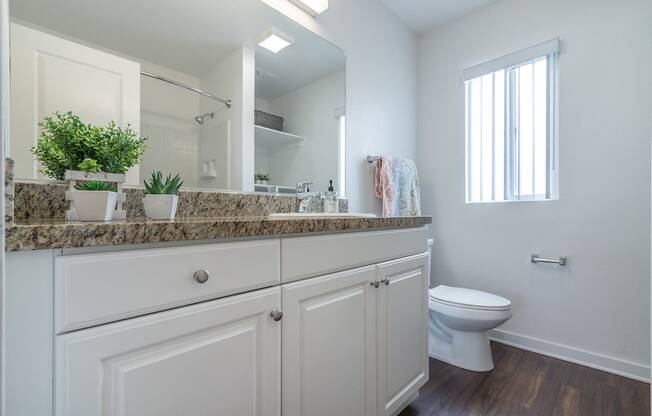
[[312, 7], [274, 40]]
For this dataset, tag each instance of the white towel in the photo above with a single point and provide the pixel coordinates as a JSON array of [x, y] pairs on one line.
[[397, 184]]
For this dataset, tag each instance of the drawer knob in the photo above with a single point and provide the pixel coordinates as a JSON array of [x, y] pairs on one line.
[[201, 276], [386, 281], [375, 283], [276, 315]]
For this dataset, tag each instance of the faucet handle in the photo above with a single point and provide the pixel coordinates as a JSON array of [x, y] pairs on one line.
[[303, 186]]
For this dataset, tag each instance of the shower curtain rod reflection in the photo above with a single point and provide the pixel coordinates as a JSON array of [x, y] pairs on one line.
[[188, 87]]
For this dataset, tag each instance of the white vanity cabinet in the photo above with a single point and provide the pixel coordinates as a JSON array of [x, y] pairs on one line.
[[91, 289], [274, 331], [402, 331], [220, 357], [329, 334], [354, 342]]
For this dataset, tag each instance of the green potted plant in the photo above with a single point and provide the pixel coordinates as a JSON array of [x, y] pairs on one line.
[[67, 145], [161, 196], [95, 201], [262, 178]]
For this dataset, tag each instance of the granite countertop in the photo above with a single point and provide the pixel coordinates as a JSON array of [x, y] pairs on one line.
[[48, 234]]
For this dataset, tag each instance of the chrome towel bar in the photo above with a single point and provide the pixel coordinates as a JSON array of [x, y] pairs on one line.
[[372, 159], [534, 258]]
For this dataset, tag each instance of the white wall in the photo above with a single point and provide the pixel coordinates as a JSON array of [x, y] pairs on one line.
[[163, 99], [309, 112], [261, 157], [167, 119], [233, 78], [597, 309], [261, 104], [381, 78]]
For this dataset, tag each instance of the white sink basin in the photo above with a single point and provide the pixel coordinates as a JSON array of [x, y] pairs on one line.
[[295, 215]]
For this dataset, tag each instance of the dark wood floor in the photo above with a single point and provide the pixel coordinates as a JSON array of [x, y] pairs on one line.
[[525, 383]]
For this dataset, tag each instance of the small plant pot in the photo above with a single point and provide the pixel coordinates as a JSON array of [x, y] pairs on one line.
[[94, 205], [160, 207]]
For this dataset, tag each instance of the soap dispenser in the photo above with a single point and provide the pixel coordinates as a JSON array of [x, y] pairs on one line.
[[330, 200]]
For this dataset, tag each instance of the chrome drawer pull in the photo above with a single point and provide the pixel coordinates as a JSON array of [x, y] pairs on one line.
[[201, 276], [276, 315], [534, 258]]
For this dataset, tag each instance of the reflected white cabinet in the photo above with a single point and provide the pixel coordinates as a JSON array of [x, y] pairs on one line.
[[215, 358], [355, 342], [328, 345], [402, 337], [49, 74]]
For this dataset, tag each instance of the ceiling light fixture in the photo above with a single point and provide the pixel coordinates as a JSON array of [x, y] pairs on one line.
[[274, 40], [312, 7]]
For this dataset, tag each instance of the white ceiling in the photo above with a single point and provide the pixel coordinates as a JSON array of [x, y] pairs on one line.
[[190, 36], [309, 58], [423, 15]]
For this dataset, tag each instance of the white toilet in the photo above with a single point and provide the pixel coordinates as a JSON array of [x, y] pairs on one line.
[[459, 323]]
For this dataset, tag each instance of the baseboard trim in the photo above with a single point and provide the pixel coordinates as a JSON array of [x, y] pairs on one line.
[[606, 363]]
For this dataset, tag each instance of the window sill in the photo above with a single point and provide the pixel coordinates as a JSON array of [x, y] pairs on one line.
[[511, 201]]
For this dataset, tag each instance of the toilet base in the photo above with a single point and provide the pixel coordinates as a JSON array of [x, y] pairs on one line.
[[468, 350]]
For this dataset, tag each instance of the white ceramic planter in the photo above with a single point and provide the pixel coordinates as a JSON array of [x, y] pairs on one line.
[[94, 205], [160, 207]]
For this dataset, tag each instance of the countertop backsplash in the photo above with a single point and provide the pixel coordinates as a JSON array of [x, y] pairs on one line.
[[41, 200], [9, 191]]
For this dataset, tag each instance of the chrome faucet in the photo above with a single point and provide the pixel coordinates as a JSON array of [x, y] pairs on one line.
[[304, 196]]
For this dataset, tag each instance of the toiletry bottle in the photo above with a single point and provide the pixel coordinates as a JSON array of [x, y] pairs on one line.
[[330, 200]]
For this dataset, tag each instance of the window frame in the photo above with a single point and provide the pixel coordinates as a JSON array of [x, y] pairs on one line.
[[547, 50]]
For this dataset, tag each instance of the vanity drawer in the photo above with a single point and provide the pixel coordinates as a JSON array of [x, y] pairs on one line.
[[303, 257], [91, 289]]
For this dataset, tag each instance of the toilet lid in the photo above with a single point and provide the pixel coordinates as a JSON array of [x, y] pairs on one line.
[[469, 298]]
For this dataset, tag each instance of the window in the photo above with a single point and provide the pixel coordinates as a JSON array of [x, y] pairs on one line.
[[510, 126]]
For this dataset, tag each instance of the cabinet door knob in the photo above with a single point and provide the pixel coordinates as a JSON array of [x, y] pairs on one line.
[[375, 283], [201, 276], [276, 315], [386, 281]]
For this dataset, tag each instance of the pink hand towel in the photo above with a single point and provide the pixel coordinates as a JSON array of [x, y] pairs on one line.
[[397, 184]]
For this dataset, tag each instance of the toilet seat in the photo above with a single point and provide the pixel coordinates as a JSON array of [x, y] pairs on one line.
[[468, 298]]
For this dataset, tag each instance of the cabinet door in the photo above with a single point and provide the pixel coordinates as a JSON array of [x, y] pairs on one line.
[[402, 341], [328, 345], [215, 358]]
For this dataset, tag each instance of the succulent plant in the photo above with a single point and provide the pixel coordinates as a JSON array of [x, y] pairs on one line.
[[96, 186], [159, 186]]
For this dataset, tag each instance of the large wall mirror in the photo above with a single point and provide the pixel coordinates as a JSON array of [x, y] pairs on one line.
[[231, 95]]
